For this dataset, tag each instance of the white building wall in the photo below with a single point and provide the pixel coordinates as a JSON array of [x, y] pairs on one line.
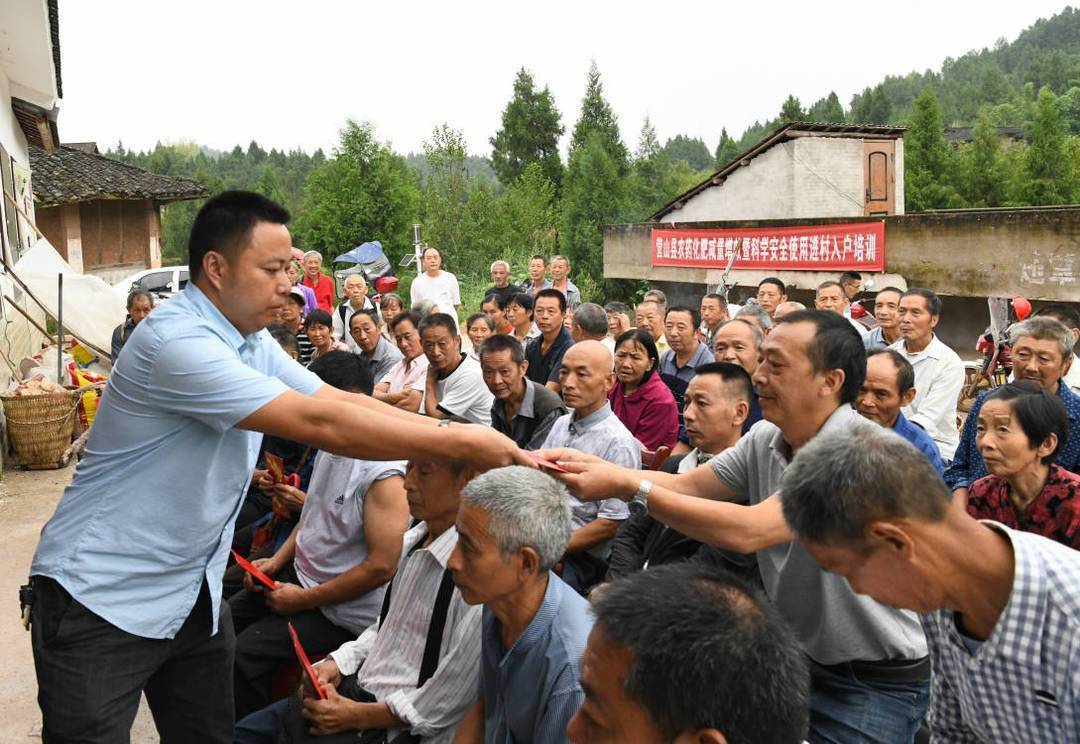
[[11, 137], [763, 190], [898, 169], [829, 177]]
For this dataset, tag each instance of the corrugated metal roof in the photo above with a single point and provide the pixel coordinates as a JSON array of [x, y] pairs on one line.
[[781, 134]]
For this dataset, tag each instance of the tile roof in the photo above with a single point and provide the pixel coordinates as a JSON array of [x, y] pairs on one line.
[[72, 174]]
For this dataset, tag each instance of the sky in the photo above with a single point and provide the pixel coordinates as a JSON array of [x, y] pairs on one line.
[[288, 74]]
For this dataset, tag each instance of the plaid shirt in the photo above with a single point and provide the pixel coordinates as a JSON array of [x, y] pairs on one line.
[[1054, 513], [1023, 683]]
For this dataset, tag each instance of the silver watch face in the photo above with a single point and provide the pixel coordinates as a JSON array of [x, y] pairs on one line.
[[636, 507]]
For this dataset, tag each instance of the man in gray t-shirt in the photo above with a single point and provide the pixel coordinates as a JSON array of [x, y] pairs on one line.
[[869, 671]]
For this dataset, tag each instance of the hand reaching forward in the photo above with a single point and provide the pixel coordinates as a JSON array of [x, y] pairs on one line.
[[591, 478]]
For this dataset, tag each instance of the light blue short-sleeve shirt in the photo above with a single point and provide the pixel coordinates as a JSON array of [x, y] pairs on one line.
[[149, 514]]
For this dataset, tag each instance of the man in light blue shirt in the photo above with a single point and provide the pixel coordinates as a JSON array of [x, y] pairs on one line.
[[127, 575]]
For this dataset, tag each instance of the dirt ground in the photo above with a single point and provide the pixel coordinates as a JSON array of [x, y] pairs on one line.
[[27, 500]]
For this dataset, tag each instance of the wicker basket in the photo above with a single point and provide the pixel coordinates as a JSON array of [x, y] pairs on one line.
[[40, 427]]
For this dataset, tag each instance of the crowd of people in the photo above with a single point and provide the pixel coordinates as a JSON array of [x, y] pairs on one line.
[[755, 523]]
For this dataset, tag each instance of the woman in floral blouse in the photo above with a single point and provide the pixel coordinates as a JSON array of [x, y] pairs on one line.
[[1020, 428]]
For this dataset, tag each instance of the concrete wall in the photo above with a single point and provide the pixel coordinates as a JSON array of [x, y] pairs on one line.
[[803, 177]]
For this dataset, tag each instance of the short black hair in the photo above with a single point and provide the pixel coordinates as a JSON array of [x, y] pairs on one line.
[[480, 316], [775, 281], [890, 288], [1056, 310], [933, 302], [439, 320], [836, 345], [591, 318], [502, 342], [345, 371], [524, 299], [500, 300], [695, 315], [370, 312], [553, 293], [732, 373], [850, 276], [538, 257], [1040, 412], [644, 339], [905, 373], [410, 315], [707, 651], [720, 298], [318, 316], [286, 339], [826, 284], [136, 294], [224, 225], [616, 307]]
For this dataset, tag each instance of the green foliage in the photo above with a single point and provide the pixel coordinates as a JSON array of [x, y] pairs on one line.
[[598, 119], [726, 150], [982, 171], [827, 110], [530, 132], [872, 107], [1050, 173], [532, 217], [791, 111], [689, 150], [928, 161], [364, 192]]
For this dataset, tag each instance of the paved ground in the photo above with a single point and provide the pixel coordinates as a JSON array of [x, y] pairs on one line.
[[27, 499]]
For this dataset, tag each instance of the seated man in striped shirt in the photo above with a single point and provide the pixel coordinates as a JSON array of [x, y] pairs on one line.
[[415, 669]]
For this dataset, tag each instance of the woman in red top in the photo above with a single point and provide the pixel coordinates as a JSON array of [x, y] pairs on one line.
[[1021, 426], [639, 397]]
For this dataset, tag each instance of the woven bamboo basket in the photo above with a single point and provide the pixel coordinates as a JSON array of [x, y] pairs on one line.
[[40, 427]]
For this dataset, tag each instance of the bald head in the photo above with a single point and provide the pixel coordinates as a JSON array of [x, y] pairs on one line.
[[585, 375]]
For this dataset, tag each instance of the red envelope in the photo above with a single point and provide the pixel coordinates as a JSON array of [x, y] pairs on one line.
[[247, 566], [302, 656], [546, 464]]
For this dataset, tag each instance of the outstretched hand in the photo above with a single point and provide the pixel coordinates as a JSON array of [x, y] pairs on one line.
[[591, 478]]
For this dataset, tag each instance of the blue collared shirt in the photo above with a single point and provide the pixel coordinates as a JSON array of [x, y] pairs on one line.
[[678, 378], [968, 465], [531, 692], [922, 441], [149, 514]]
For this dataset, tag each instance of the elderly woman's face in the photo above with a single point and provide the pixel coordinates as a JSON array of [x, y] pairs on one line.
[[293, 272], [1002, 442], [312, 267], [320, 336], [1039, 361]]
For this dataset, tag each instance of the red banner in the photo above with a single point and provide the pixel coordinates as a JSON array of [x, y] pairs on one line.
[[858, 246]]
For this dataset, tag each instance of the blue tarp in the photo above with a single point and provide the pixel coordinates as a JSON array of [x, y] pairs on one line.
[[362, 254]]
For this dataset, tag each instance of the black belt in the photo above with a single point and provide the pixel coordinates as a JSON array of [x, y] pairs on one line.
[[888, 671]]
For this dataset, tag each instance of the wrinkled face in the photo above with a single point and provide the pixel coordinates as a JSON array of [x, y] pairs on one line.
[[769, 296], [617, 324], [560, 269], [312, 267], [736, 343], [365, 332], [680, 331], [293, 272], [408, 340], [631, 362], [831, 298], [356, 289], [432, 489], [253, 286], [608, 715], [479, 569], [880, 573], [650, 317], [1002, 442], [711, 407], [478, 331], [441, 347], [584, 378], [1039, 361], [712, 312], [879, 396], [503, 376], [785, 374], [537, 270], [320, 336], [518, 316], [432, 260], [914, 319], [548, 315], [500, 275], [390, 310], [290, 315], [886, 308], [140, 308]]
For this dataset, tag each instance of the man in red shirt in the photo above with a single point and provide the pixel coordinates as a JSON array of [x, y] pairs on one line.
[[321, 284]]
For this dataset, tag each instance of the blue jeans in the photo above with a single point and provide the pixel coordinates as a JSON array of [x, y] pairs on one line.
[[261, 726], [847, 710]]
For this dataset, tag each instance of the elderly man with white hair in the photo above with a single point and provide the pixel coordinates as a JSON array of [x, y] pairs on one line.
[[500, 275], [356, 299], [513, 526], [321, 284]]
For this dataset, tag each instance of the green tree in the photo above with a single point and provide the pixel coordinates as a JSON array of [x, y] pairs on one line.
[[1048, 170], [928, 161], [532, 216], [872, 107], [652, 166], [690, 150], [530, 132], [445, 191], [827, 111], [727, 149], [363, 192], [984, 182], [597, 118], [791, 111]]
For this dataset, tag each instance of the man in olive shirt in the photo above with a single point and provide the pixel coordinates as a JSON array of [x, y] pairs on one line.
[[523, 410]]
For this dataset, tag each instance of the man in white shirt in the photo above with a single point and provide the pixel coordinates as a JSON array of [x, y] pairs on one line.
[[455, 387], [356, 299], [436, 285], [939, 372]]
